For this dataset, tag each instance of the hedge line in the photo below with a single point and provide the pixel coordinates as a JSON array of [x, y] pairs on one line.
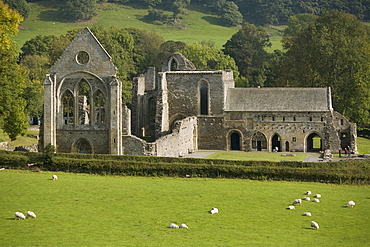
[[345, 172]]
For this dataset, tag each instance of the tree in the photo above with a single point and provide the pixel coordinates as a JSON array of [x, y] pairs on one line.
[[209, 58], [231, 15], [247, 48], [75, 10], [333, 52], [12, 116], [297, 23], [19, 5]]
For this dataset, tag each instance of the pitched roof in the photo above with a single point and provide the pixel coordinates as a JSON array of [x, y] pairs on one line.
[[278, 99]]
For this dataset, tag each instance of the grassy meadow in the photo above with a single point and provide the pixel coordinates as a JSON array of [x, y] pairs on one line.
[[88, 210], [197, 25]]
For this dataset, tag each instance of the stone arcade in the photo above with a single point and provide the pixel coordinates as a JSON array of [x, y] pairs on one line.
[[179, 110]]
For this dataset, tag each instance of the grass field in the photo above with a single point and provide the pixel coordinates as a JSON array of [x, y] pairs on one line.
[[199, 26], [257, 156], [21, 140], [87, 210]]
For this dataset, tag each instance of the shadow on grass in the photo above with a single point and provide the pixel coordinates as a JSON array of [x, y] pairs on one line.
[[10, 218], [213, 20], [51, 15]]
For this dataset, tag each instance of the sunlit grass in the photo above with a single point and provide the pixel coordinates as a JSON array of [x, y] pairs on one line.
[[21, 140], [363, 145], [87, 210], [257, 156]]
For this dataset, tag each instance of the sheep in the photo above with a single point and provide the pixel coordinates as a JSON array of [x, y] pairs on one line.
[[306, 198], [291, 207], [316, 200], [308, 193], [314, 225], [31, 214], [350, 204], [54, 177], [19, 216], [296, 201], [173, 226], [307, 214], [183, 226], [317, 195], [214, 211]]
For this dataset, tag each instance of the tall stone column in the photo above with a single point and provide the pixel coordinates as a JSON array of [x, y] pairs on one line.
[[49, 129], [115, 106]]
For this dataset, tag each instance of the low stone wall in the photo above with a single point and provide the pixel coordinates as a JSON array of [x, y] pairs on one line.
[[4, 146]]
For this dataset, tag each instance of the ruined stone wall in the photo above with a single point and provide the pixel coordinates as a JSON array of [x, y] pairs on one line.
[[211, 133], [133, 145]]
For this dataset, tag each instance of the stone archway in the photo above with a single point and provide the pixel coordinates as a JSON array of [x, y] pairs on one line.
[[259, 142], [235, 141], [82, 146], [276, 143], [314, 143]]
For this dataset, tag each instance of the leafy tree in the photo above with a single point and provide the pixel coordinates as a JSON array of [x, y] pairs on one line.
[[209, 58], [298, 23], [231, 15], [166, 49], [19, 5], [39, 45], [12, 116], [75, 10], [247, 48], [333, 52], [156, 15]]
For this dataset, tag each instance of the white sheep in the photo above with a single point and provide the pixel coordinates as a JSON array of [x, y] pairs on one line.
[[306, 198], [308, 193], [316, 200], [214, 211], [173, 226], [350, 204], [54, 177], [297, 201], [183, 226], [291, 207], [317, 195], [307, 214], [314, 225], [31, 214], [19, 216]]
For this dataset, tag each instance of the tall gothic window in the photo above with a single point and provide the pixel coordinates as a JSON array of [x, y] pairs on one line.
[[204, 101], [67, 102], [84, 108], [100, 105], [173, 65]]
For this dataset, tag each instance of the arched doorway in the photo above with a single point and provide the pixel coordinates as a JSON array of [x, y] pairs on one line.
[[275, 144], [314, 143], [287, 146], [82, 146], [259, 142], [235, 141]]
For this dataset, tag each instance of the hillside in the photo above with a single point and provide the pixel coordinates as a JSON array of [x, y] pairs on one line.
[[196, 25]]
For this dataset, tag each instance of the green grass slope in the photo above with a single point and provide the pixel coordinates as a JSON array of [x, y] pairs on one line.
[[198, 26], [86, 210]]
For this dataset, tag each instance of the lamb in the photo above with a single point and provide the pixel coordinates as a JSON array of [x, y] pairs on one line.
[[173, 226], [19, 216], [54, 177], [306, 198], [316, 200], [296, 201], [314, 225], [308, 193], [31, 214], [214, 211], [307, 214], [291, 207], [183, 226], [350, 204], [317, 195]]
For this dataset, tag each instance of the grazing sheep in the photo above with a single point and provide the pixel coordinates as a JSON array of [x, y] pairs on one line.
[[173, 226], [291, 207], [314, 225], [19, 216], [306, 214], [317, 195], [306, 198], [297, 201], [308, 193], [350, 204], [214, 211], [31, 214], [183, 226], [316, 200], [54, 177]]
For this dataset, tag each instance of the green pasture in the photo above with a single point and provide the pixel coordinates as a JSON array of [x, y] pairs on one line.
[[88, 210], [257, 156], [21, 140], [196, 25]]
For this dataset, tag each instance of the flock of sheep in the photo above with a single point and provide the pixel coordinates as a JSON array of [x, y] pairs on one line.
[[172, 225], [314, 224]]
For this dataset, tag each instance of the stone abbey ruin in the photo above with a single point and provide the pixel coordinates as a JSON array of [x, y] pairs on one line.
[[179, 110]]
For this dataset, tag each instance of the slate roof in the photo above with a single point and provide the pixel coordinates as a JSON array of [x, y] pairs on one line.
[[278, 99]]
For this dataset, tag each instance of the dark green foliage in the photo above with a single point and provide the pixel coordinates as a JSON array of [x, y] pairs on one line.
[[156, 15], [231, 15], [19, 5], [75, 10]]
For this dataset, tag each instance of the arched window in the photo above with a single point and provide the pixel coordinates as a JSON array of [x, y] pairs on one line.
[[84, 92], [99, 106], [173, 65], [259, 142], [235, 141], [204, 101], [82, 146], [67, 104]]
